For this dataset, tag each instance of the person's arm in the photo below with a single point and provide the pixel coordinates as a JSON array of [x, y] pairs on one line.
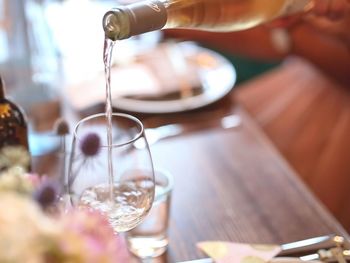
[[322, 37], [327, 49], [327, 46], [332, 9], [254, 43]]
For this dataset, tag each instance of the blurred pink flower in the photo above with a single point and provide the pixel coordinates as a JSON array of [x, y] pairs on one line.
[[90, 232], [78, 236], [34, 178], [30, 235], [27, 234]]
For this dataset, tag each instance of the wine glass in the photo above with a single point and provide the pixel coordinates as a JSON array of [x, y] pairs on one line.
[[116, 180]]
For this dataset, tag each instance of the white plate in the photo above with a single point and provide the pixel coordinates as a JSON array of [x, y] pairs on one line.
[[217, 81]]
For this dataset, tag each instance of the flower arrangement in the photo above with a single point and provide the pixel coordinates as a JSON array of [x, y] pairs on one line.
[[31, 233]]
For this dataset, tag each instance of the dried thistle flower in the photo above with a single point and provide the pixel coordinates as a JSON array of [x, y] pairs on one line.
[[46, 194], [90, 144], [61, 127]]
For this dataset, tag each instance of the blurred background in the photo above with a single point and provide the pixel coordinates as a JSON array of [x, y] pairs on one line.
[[47, 46]]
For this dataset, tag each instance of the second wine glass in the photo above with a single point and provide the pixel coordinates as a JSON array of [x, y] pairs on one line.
[[122, 189]]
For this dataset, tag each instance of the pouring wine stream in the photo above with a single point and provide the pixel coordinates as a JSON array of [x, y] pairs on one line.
[[107, 59]]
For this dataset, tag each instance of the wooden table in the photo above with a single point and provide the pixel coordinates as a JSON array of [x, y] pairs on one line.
[[233, 185]]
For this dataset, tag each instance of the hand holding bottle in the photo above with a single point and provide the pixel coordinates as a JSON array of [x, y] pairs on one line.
[[331, 18], [320, 35], [333, 9]]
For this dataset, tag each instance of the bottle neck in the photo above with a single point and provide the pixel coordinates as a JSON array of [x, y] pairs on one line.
[[141, 17], [2, 89]]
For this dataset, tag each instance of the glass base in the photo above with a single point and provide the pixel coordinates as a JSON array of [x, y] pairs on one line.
[[147, 247]]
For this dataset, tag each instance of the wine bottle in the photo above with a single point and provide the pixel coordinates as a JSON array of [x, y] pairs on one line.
[[13, 125], [210, 15]]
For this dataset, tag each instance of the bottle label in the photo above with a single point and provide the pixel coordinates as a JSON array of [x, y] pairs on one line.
[[146, 16], [154, 6]]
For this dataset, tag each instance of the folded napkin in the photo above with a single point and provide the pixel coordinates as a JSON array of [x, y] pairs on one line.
[[227, 252]]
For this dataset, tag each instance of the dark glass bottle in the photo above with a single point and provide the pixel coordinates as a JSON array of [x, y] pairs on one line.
[[13, 125]]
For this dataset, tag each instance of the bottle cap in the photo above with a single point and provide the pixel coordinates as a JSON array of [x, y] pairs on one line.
[[141, 17]]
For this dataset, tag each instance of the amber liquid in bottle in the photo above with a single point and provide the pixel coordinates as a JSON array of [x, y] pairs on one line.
[[210, 15], [13, 125], [227, 15]]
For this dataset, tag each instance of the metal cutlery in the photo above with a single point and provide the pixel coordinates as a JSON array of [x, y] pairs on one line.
[[154, 135], [311, 244], [339, 252], [329, 248], [330, 255]]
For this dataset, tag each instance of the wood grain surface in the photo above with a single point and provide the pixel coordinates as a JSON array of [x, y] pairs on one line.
[[233, 185], [307, 116]]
